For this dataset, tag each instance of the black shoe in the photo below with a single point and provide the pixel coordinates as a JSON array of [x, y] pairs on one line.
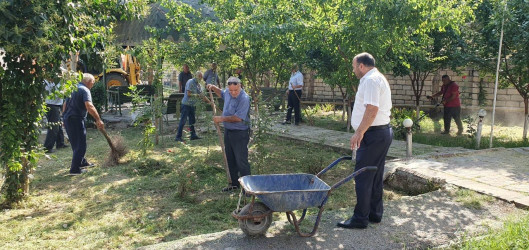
[[297, 123], [285, 122], [445, 132], [230, 188], [79, 173], [350, 223], [62, 146], [49, 150], [195, 138], [374, 219], [179, 139], [88, 165]]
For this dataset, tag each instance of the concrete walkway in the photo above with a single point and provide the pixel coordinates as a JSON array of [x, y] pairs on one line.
[[502, 173]]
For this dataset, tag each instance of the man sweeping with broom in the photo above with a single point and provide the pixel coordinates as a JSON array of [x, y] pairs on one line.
[[75, 109], [236, 119]]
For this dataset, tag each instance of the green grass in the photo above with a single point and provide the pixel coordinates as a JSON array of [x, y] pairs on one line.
[[513, 235], [472, 199], [172, 193], [430, 132]]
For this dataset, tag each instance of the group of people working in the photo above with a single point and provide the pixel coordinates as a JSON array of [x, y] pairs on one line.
[[370, 120]]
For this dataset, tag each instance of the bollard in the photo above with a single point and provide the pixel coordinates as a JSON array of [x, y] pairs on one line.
[[407, 123], [481, 113]]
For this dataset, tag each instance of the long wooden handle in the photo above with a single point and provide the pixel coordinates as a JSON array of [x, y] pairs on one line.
[[108, 139], [221, 140]]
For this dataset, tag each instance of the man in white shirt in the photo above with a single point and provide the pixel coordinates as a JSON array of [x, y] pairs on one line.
[[54, 136], [295, 86], [372, 138]]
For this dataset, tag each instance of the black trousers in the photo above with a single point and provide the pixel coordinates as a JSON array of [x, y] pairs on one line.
[[54, 136], [369, 185], [236, 147], [452, 112], [76, 130], [294, 103]]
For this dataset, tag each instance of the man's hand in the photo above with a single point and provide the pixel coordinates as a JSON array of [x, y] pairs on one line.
[[100, 125], [356, 139], [217, 119]]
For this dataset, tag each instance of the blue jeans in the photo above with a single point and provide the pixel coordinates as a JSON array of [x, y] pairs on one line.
[[294, 103], [186, 112], [76, 131], [369, 185]]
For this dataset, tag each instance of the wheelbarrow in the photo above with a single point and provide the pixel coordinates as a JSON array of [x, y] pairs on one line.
[[285, 193]]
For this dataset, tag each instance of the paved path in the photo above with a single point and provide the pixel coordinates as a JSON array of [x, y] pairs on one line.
[[500, 172]]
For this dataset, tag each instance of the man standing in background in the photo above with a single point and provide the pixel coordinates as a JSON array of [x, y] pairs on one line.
[[295, 87], [54, 135], [183, 77], [211, 76], [452, 104]]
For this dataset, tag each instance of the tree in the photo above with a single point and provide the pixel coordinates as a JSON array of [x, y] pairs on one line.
[[514, 69], [37, 36]]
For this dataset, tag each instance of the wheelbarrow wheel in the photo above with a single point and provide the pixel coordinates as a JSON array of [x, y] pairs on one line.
[[258, 226]]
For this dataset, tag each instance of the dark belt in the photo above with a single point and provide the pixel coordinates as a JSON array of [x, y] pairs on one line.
[[372, 128], [54, 105]]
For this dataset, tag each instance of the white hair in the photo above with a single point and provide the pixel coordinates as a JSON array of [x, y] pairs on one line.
[[88, 77]]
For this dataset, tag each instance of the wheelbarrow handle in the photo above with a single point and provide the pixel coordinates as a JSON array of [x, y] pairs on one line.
[[351, 176], [333, 164]]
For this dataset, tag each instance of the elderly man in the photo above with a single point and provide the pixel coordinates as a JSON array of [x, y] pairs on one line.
[[372, 138], [211, 76], [187, 110], [236, 119], [75, 109]]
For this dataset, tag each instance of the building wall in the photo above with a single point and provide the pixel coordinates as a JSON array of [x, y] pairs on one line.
[[402, 93]]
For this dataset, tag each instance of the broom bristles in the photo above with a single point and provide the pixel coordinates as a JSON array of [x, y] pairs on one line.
[[118, 150]]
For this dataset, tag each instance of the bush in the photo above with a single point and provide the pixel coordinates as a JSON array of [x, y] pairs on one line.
[[398, 115]]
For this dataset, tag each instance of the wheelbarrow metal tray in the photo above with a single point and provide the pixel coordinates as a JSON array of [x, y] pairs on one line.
[[286, 192]]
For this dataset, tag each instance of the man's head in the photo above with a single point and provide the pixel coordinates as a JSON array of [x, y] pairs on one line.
[[294, 68], [185, 68], [198, 75], [234, 86], [363, 63], [214, 66], [446, 79], [88, 80]]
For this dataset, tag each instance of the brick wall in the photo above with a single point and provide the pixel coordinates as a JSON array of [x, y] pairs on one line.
[[402, 92]]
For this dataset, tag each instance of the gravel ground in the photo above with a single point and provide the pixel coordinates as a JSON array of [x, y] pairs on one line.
[[430, 220]]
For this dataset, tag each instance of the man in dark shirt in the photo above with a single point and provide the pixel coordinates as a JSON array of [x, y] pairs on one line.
[[75, 110], [183, 77], [452, 104]]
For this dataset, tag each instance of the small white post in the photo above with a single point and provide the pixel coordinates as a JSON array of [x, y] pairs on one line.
[[408, 123], [481, 113]]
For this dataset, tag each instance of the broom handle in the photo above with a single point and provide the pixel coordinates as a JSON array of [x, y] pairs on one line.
[[108, 139], [221, 140]]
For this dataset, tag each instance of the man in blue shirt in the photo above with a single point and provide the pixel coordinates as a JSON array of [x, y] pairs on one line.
[[187, 110], [75, 109], [236, 120]]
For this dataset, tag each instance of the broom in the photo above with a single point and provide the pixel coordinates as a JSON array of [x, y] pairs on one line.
[[117, 149]]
